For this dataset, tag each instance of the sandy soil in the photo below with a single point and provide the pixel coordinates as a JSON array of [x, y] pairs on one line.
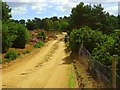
[[43, 69]]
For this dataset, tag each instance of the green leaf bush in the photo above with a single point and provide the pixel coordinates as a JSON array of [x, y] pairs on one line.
[[39, 44], [27, 51], [11, 55], [42, 34], [101, 46]]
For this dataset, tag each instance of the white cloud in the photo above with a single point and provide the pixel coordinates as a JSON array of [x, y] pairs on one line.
[[61, 8], [39, 12], [66, 6], [50, 6], [54, 14], [112, 10], [60, 5], [38, 8], [19, 10], [62, 2]]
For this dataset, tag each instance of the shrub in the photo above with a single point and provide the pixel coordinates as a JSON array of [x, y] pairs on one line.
[[11, 55], [98, 44], [39, 44], [13, 34], [89, 37], [8, 59], [27, 51], [42, 34], [64, 26], [0, 61], [8, 35], [22, 36], [31, 25]]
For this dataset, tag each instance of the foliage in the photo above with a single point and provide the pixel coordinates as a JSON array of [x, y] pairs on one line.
[[13, 34], [5, 11], [48, 24], [8, 59], [22, 36], [42, 34], [101, 46], [27, 51], [56, 25], [1, 61], [89, 37], [39, 44], [31, 25], [94, 17], [22, 21], [64, 25], [8, 36], [11, 55], [52, 23], [118, 21]]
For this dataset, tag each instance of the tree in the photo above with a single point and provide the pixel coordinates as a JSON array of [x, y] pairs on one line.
[[31, 25], [80, 16], [48, 24], [64, 25], [119, 21], [5, 11], [94, 17], [56, 25], [13, 34], [54, 18], [22, 36], [8, 36], [38, 21], [22, 21]]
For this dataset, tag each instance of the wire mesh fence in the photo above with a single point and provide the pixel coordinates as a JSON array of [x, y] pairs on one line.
[[97, 69]]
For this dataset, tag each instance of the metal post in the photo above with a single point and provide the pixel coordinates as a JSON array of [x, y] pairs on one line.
[[114, 71]]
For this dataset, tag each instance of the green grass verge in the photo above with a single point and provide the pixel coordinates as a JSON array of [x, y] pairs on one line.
[[72, 79]]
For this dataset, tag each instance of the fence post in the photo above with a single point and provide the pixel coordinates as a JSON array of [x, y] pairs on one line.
[[67, 39], [114, 72], [42, 38]]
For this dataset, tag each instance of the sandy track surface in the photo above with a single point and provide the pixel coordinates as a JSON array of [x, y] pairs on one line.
[[44, 69]]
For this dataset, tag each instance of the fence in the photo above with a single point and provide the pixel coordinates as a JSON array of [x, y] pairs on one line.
[[97, 69]]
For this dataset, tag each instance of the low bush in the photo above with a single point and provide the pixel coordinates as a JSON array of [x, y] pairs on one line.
[[27, 51], [11, 55], [0, 61], [6, 60], [39, 44], [101, 46], [42, 34]]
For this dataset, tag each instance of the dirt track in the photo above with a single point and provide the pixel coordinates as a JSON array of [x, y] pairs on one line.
[[45, 69]]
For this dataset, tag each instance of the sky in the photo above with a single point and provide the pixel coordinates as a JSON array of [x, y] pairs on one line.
[[28, 9]]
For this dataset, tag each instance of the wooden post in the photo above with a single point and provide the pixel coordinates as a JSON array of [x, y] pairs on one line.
[[42, 38], [67, 39], [114, 71]]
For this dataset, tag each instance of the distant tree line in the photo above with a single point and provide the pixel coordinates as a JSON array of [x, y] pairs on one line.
[[53, 23]]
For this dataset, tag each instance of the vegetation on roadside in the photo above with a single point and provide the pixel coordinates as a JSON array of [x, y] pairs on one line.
[[13, 34], [39, 44], [11, 55], [98, 30], [42, 35], [71, 79], [27, 51], [101, 46]]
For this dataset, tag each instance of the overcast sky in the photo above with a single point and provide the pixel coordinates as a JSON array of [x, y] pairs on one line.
[[28, 9]]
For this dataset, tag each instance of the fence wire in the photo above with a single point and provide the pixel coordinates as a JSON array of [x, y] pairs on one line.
[[97, 69]]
